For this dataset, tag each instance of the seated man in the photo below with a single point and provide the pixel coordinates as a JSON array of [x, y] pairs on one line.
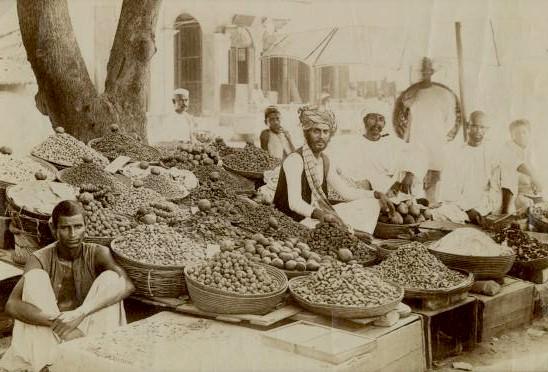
[[472, 180], [276, 140], [306, 173], [178, 126], [518, 169], [69, 289]]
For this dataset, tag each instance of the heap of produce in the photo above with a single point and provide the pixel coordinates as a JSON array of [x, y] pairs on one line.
[[412, 266], [287, 255], [40, 196], [63, 149], [406, 213], [329, 240], [468, 241], [159, 245], [164, 185], [211, 228], [189, 156], [13, 170], [117, 144], [101, 221], [524, 246], [101, 194], [222, 148], [161, 212], [233, 272], [89, 172], [186, 180], [233, 182], [336, 283], [251, 159]]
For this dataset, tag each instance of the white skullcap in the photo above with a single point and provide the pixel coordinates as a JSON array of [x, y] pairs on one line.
[[374, 106], [181, 91]]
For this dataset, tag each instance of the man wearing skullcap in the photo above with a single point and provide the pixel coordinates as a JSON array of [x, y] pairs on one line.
[[178, 126], [306, 173], [275, 139]]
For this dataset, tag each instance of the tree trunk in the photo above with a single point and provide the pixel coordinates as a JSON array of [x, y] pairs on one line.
[[65, 91]]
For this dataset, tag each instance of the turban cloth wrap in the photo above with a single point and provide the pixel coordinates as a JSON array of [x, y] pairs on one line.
[[312, 117]]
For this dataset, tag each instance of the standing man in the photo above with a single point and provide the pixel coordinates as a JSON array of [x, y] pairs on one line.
[[471, 178], [69, 289], [276, 140], [520, 177], [306, 173]]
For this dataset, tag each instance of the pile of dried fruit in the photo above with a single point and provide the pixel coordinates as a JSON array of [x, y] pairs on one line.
[[251, 159], [118, 144], [189, 156], [222, 148], [330, 240], [13, 170], [186, 180], [159, 245], [161, 212], [406, 213], [233, 272], [233, 182], [63, 149], [101, 194], [210, 227], [103, 222], [129, 199], [164, 185], [412, 266], [526, 247], [89, 172], [288, 255], [351, 285]]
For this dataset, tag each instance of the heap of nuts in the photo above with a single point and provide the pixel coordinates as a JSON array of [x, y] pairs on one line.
[[161, 212], [129, 200], [289, 254], [62, 148], [185, 180], [164, 185], [222, 148], [103, 222], [251, 159], [117, 144], [412, 266], [88, 172], [210, 227], [189, 156], [336, 283], [233, 272], [526, 247], [159, 245], [233, 182], [13, 170]]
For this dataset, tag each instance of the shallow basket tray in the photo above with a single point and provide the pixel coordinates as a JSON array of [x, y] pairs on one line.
[[295, 273], [222, 302], [532, 265], [341, 311], [463, 287], [58, 166], [390, 231], [246, 174], [483, 267], [157, 153], [152, 280]]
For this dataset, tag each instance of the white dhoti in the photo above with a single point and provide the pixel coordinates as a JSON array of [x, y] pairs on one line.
[[33, 347]]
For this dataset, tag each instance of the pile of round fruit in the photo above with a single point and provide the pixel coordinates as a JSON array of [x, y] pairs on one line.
[[128, 200], [161, 212], [185, 179], [189, 156], [406, 213], [159, 245], [289, 254], [233, 272], [117, 144], [235, 183], [63, 149], [89, 172], [103, 222], [251, 159], [412, 266], [13, 170], [525, 247], [336, 283], [164, 185]]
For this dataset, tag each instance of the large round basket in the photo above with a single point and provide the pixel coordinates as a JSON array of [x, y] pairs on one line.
[[151, 280], [340, 311], [155, 151], [222, 302], [246, 174], [463, 287], [389, 246], [389, 231], [483, 267]]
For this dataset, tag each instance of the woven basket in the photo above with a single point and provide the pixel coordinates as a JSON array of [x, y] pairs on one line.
[[389, 231], [25, 245], [58, 166], [340, 311], [532, 265], [222, 302], [536, 217], [295, 273], [151, 280], [94, 141], [465, 286], [246, 174], [387, 247], [99, 240]]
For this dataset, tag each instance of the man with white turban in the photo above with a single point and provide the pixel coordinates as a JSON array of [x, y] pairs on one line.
[[178, 126], [305, 174]]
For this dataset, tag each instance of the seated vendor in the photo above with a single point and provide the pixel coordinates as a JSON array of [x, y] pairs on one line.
[[520, 176], [276, 140], [306, 173], [69, 289], [472, 178]]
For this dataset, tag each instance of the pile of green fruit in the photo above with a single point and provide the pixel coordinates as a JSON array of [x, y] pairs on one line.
[[406, 213], [187, 156]]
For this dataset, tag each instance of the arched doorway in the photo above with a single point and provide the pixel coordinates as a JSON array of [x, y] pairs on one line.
[[188, 59]]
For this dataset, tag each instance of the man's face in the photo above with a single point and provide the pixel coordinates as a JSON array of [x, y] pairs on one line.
[[477, 130], [427, 73], [70, 231], [180, 103], [520, 135], [374, 125], [274, 122], [317, 138]]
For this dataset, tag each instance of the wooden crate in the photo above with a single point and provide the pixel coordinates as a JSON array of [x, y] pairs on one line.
[[450, 330], [512, 307], [436, 303]]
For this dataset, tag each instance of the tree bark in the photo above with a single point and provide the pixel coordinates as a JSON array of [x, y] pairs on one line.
[[65, 90]]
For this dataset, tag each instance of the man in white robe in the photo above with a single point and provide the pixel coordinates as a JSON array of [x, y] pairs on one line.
[[178, 126]]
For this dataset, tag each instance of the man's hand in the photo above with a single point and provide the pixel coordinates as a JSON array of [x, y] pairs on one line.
[[332, 219], [406, 185], [385, 203], [67, 322], [475, 217], [394, 190]]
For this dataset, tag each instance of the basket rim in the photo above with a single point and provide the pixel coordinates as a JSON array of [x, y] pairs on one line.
[[468, 281], [50, 167], [389, 225], [37, 215], [62, 164], [216, 291], [462, 256], [344, 307]]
